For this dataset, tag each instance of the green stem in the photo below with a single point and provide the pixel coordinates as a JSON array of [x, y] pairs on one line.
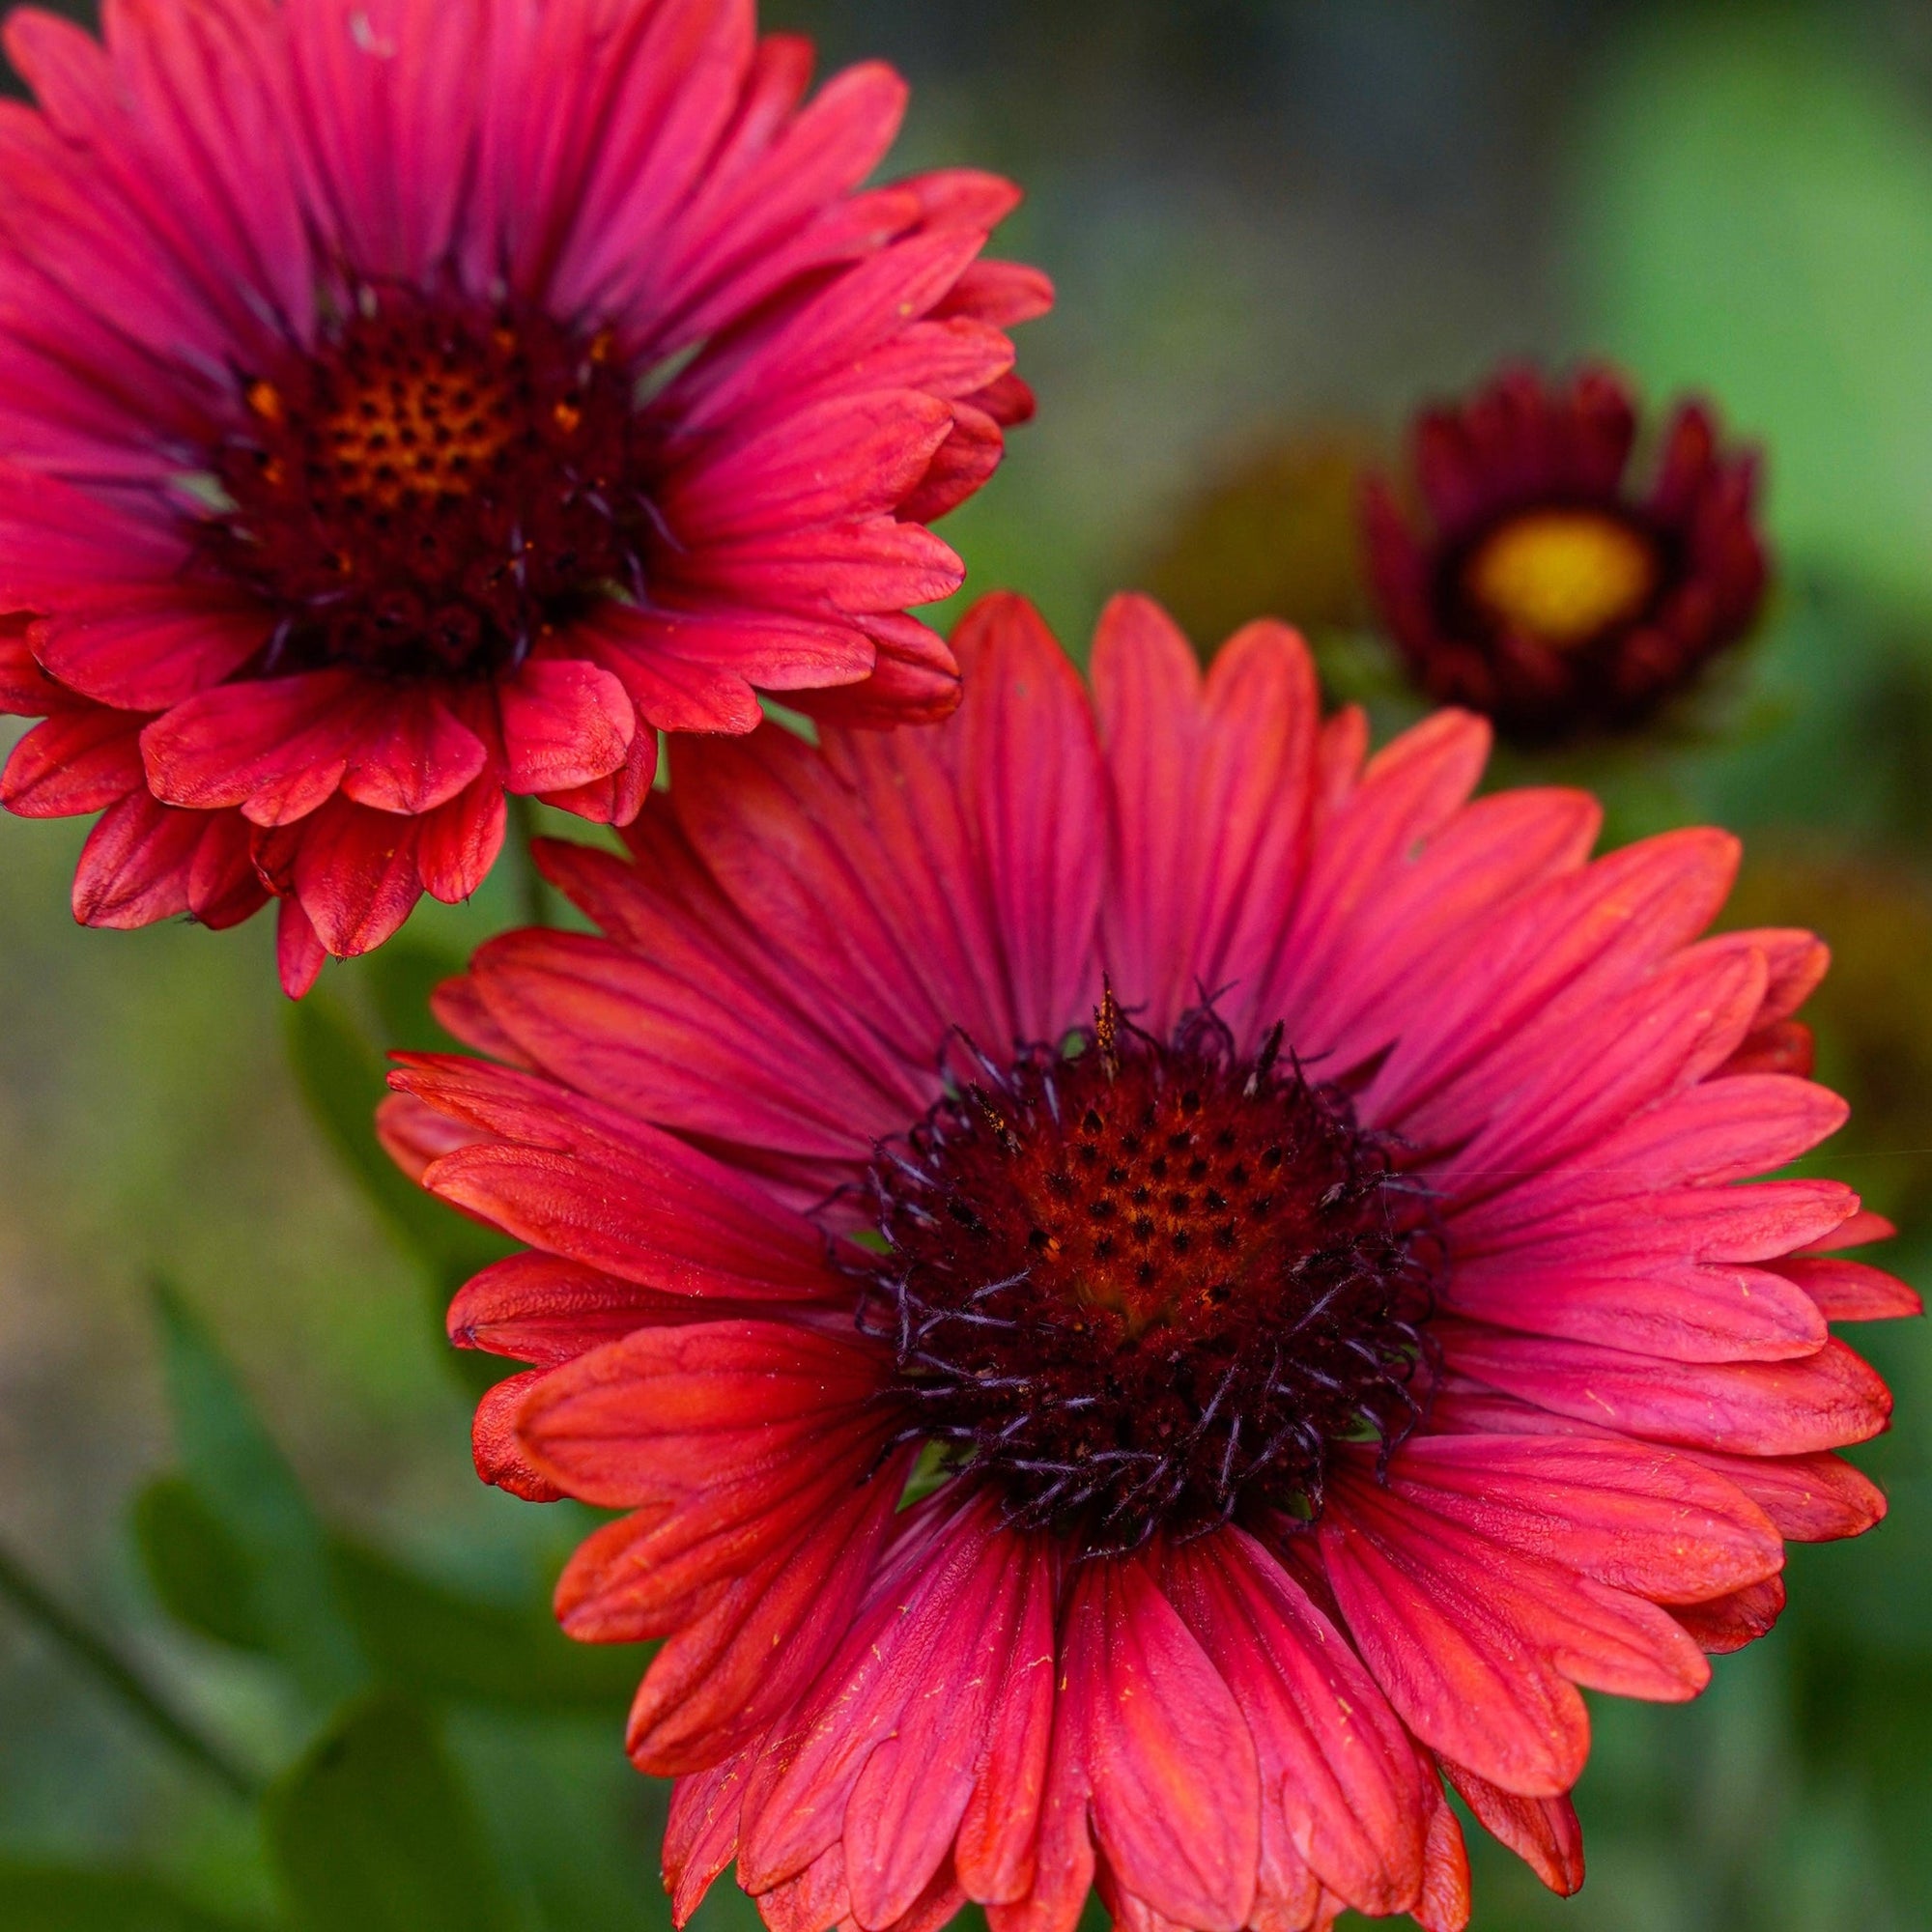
[[533, 893], [113, 1673]]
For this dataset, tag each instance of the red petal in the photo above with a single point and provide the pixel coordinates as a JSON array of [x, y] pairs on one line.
[[78, 761], [1479, 1649], [458, 842], [299, 953], [565, 723], [1541, 1832], [278, 746], [1729, 1622], [615, 800], [1850, 1291], [411, 754], [134, 867], [726, 1673], [152, 652], [1342, 1782], [701, 1834], [887, 1747], [493, 1445], [716, 1417], [1445, 1884], [223, 887], [543, 1309], [355, 872]]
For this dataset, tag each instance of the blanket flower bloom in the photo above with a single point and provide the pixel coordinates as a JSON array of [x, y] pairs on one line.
[[1545, 589], [1153, 1288], [405, 404]]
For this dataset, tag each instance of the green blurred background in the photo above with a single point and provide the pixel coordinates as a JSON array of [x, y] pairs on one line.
[[1275, 225]]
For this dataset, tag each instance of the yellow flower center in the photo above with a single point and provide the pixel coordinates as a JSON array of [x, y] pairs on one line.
[[1562, 576]]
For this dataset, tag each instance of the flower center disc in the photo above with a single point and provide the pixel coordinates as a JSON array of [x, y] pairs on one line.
[[1563, 576], [433, 487], [1147, 1282], [426, 420]]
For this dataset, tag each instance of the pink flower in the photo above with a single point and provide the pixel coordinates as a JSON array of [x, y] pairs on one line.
[[408, 403], [1153, 1287]]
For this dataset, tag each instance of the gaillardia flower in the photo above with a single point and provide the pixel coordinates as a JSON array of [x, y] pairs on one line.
[[1545, 589], [406, 403], [1153, 1287]]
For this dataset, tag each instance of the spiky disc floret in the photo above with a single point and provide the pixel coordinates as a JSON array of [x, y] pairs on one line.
[[1139, 1283]]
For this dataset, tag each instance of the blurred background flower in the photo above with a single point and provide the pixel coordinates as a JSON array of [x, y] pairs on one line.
[[1275, 228]]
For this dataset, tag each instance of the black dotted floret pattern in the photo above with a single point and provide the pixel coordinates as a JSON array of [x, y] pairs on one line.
[[438, 482], [1142, 1285]]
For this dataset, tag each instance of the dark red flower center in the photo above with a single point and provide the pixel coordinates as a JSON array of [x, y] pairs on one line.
[[432, 487], [1562, 576], [1140, 1284]]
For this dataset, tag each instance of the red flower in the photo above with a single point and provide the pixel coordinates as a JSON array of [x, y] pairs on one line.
[[1275, 1210], [408, 403], [1546, 591]]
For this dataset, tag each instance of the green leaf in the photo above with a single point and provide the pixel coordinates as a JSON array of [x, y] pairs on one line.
[[1757, 224], [434, 1641], [372, 1832], [61, 1899], [197, 1569], [247, 1486]]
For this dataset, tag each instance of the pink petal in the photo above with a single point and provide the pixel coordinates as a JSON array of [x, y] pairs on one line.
[[1815, 1499], [915, 679], [1237, 757], [1562, 947], [1681, 1310], [1631, 1516], [1409, 790], [846, 458], [1765, 1409], [608, 1191], [1171, 1767], [1850, 1291]]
